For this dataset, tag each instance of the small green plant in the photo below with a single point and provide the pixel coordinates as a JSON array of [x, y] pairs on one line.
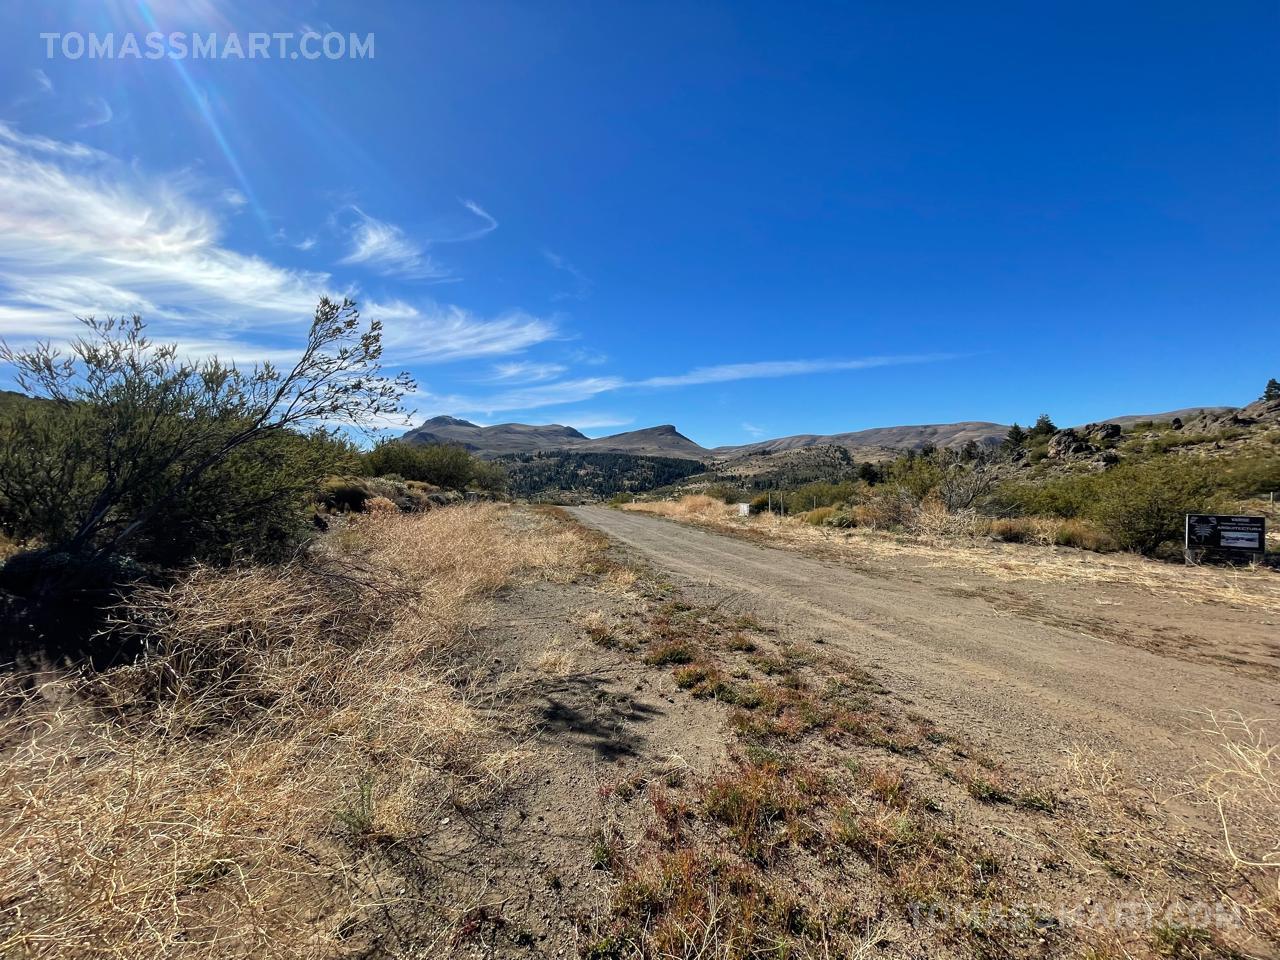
[[741, 644], [1041, 800], [357, 812], [604, 852]]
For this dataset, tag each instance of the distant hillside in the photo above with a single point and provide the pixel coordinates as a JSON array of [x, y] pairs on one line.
[[506, 439], [498, 440], [663, 441], [894, 438], [1186, 413], [586, 475], [877, 443]]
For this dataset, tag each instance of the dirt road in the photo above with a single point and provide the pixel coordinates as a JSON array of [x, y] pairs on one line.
[[1019, 680]]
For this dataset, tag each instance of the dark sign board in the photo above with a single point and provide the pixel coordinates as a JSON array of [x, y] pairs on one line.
[[1233, 536]]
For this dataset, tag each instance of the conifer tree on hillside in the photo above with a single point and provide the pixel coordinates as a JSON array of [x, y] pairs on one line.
[[1044, 427], [1015, 438], [1272, 392]]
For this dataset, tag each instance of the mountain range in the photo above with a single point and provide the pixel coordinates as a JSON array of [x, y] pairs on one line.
[[505, 439]]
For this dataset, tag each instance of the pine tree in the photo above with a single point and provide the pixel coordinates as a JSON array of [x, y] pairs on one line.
[[1273, 390], [1015, 438], [1044, 427]]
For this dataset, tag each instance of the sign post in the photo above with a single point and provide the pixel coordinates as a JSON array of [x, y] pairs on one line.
[[1231, 538]]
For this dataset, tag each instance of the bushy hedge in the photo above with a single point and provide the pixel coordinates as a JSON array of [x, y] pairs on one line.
[[444, 465]]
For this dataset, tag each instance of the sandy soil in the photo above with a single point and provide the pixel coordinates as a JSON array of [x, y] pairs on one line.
[[1026, 669]]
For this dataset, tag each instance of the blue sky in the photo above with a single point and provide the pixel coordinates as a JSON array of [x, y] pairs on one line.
[[743, 218]]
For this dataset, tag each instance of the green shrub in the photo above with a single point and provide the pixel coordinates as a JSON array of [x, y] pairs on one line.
[[488, 476], [1143, 505], [1135, 506], [843, 518], [918, 476], [1251, 475], [445, 465], [811, 496], [57, 469], [132, 450], [723, 492], [1060, 497], [348, 494]]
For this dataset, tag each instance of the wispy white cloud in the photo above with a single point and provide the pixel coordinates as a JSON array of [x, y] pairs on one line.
[[81, 234], [34, 143], [100, 113], [592, 358], [487, 226], [752, 430], [42, 80], [578, 389], [580, 287], [550, 394], [526, 371], [438, 333], [233, 198], [724, 373], [533, 397], [391, 251], [384, 247], [593, 421]]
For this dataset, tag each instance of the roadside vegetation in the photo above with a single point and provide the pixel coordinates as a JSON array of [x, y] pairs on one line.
[[230, 693], [254, 785], [1104, 488], [124, 462]]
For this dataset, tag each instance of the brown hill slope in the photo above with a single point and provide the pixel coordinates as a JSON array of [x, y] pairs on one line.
[[498, 440], [504, 439]]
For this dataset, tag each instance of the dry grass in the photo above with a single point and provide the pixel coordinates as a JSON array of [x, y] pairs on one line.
[[770, 855], [698, 505], [8, 548], [1241, 785], [228, 795]]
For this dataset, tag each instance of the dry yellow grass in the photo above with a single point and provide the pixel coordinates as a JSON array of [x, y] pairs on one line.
[[7, 548], [1241, 785], [697, 505], [221, 798]]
